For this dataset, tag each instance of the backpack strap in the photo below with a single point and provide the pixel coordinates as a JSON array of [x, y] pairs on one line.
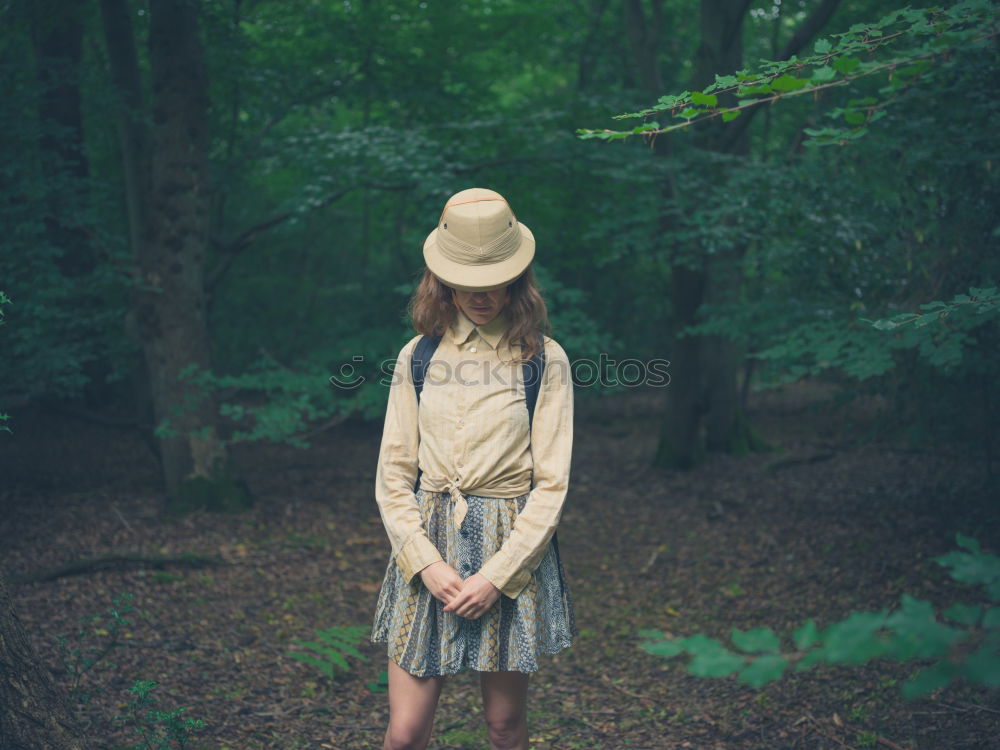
[[420, 358], [532, 371]]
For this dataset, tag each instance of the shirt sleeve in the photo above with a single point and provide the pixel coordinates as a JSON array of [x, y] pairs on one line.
[[511, 566], [397, 473]]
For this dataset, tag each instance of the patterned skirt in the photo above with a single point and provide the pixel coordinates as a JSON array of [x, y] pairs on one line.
[[425, 640]]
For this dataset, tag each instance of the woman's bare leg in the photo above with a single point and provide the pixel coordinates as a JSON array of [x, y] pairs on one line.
[[505, 703], [412, 702]]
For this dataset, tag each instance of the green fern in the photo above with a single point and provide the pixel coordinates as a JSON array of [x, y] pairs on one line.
[[332, 647]]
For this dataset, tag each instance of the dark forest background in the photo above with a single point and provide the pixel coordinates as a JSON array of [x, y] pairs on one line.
[[240, 191]]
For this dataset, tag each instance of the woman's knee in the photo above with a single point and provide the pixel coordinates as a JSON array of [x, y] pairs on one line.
[[406, 736], [506, 729]]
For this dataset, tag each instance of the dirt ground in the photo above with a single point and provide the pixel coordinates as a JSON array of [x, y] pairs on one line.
[[830, 523]]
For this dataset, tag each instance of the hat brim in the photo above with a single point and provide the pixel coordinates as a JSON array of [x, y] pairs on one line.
[[482, 278]]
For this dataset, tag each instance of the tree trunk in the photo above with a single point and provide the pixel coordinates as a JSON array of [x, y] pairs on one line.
[[721, 51], [171, 300], [705, 369], [681, 445], [33, 712], [169, 199]]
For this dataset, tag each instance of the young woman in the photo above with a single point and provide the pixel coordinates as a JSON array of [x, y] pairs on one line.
[[474, 581]]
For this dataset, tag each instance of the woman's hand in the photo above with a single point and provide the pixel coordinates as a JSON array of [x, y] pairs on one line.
[[474, 600], [442, 580]]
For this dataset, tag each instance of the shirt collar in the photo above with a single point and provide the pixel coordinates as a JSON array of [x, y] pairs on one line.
[[490, 332]]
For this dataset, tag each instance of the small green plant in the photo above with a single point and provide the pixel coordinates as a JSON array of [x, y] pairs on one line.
[[867, 739], [333, 645], [859, 713], [967, 646], [381, 685], [157, 730], [81, 654]]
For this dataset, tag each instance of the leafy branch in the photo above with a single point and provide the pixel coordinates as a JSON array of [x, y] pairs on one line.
[[969, 648], [936, 33], [986, 300]]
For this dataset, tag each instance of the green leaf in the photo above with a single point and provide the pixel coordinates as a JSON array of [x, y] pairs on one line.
[[786, 82], [668, 102], [978, 568], [983, 667], [928, 680], [807, 636], [756, 641], [855, 640], [823, 74], [764, 669], [992, 618], [711, 658], [666, 649], [966, 542], [810, 660], [708, 100], [917, 633], [966, 614], [845, 64], [731, 115], [762, 88], [853, 117], [822, 46], [722, 82], [325, 667]]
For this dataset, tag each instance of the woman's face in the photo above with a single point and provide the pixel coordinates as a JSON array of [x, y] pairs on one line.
[[481, 307]]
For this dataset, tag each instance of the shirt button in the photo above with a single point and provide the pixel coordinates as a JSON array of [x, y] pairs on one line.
[[459, 463], [473, 349]]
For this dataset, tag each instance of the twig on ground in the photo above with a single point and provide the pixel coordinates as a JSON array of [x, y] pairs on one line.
[[123, 520], [959, 706], [627, 692]]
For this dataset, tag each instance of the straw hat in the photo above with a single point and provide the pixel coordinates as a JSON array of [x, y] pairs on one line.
[[478, 244]]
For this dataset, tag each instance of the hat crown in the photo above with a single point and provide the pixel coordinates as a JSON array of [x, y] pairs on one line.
[[478, 243], [476, 227]]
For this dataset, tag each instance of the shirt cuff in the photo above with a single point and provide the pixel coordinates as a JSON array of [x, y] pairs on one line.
[[416, 555], [499, 570]]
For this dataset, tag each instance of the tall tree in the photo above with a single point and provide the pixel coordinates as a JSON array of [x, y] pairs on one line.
[[169, 199], [703, 409]]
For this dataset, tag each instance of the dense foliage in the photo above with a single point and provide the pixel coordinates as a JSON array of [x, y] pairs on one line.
[[337, 129]]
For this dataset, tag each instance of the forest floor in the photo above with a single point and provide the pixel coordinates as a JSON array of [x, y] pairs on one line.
[[828, 523]]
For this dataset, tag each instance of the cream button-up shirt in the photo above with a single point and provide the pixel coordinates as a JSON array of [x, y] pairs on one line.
[[471, 435]]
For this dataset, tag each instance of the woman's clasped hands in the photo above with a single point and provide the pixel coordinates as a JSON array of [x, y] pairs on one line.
[[470, 598]]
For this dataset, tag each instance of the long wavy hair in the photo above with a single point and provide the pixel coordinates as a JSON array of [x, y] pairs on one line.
[[433, 309]]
